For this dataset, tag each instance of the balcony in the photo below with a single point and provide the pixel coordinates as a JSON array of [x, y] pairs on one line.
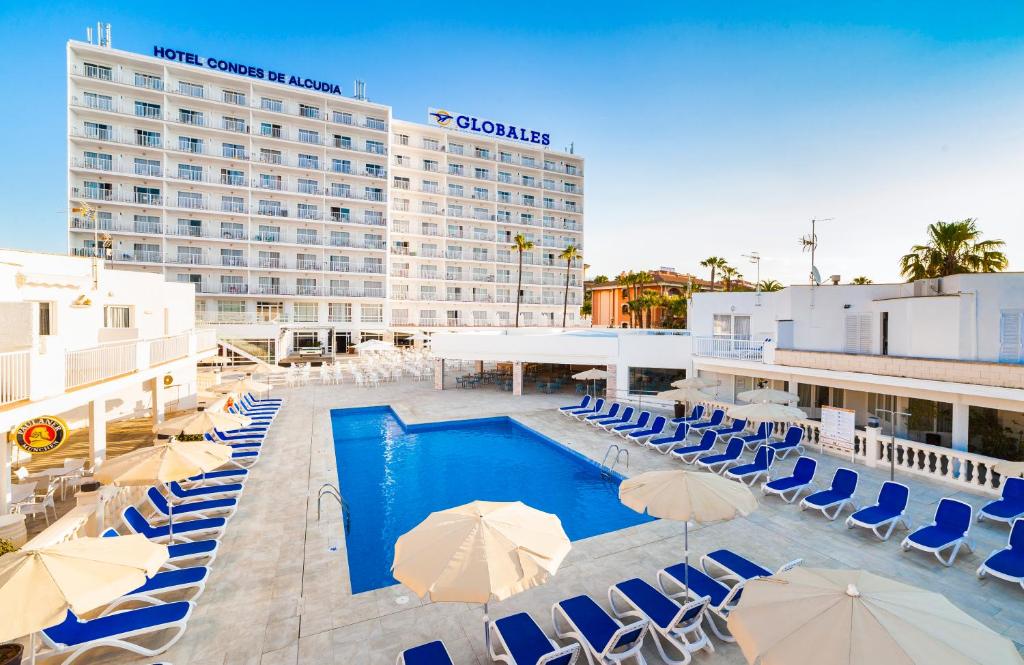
[[731, 347]]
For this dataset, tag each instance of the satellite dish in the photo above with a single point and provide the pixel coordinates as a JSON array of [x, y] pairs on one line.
[[815, 276]]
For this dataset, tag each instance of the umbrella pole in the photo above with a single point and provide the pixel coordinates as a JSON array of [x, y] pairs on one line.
[[32, 648], [686, 559], [170, 519], [487, 631]]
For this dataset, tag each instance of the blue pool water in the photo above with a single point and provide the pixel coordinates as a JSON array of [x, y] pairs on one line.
[[392, 476]]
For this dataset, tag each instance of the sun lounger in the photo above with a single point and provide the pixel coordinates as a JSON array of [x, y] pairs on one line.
[[656, 428], [612, 412], [191, 580], [790, 487], [185, 529], [664, 444], [229, 476], [591, 408], [718, 463], [1007, 563], [753, 472], [793, 441], [244, 458], [950, 531], [625, 428], [263, 400], [721, 598], [759, 437], [621, 419], [890, 510], [73, 637], [689, 454], [182, 553], [832, 501], [601, 636], [221, 491], [695, 414], [236, 435], [572, 407], [218, 437], [191, 509], [518, 640], [1009, 506], [738, 568], [431, 653], [717, 416], [675, 627], [736, 427], [249, 403]]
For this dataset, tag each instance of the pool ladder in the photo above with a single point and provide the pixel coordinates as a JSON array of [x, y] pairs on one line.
[[327, 489], [607, 470]]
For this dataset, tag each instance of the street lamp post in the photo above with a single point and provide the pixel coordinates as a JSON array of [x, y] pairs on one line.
[[892, 441]]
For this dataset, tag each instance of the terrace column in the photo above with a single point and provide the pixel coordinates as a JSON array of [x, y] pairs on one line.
[[517, 378], [156, 391], [438, 373], [479, 366], [961, 424], [5, 474], [97, 432], [611, 383]]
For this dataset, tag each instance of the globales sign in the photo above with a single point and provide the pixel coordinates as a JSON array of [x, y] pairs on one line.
[[260, 73], [469, 123]]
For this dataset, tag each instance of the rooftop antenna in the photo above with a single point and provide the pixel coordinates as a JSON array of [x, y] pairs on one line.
[[572, 147], [109, 43], [88, 34], [809, 243], [359, 89], [755, 258]]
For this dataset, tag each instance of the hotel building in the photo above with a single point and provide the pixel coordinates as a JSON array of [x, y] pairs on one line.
[[307, 218]]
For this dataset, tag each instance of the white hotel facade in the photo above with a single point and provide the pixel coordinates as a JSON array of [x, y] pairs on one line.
[[307, 218]]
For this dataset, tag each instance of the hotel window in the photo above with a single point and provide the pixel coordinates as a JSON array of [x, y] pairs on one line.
[[272, 208], [268, 104], [190, 172], [146, 224], [504, 176], [190, 256], [235, 124], [402, 139], [570, 206], [145, 252], [454, 210], [269, 260], [309, 161], [342, 141], [150, 81], [306, 262], [99, 161], [374, 217], [232, 284], [101, 191], [271, 285], [529, 181], [342, 117], [305, 286], [548, 183], [858, 329], [482, 153], [341, 214], [526, 218], [270, 129], [232, 97], [45, 318], [309, 136], [190, 144], [570, 169], [371, 313], [529, 200], [482, 174], [101, 72], [98, 130], [338, 264], [456, 149], [147, 110], [729, 325], [340, 287], [549, 165], [339, 312], [190, 117], [191, 89], [528, 161], [269, 181], [117, 316], [480, 194], [96, 101], [373, 193], [232, 204], [430, 165], [456, 169], [504, 197], [376, 123], [376, 147], [505, 216], [147, 167], [189, 227], [505, 157], [190, 200], [307, 237], [308, 211], [569, 188], [309, 111], [268, 156], [269, 233], [268, 311], [341, 189], [232, 177], [341, 166], [429, 144], [308, 186], [232, 231], [455, 190], [549, 203], [375, 170], [233, 150]]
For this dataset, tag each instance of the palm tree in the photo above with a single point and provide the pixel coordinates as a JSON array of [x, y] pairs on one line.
[[627, 280], [570, 253], [601, 279], [953, 248], [770, 285], [520, 244], [729, 274], [675, 311], [642, 278], [861, 280], [715, 263]]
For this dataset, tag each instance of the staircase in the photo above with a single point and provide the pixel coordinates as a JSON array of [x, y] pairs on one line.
[[256, 351]]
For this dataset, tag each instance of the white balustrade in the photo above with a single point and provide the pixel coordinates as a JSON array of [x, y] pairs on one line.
[[14, 376], [168, 348], [99, 363]]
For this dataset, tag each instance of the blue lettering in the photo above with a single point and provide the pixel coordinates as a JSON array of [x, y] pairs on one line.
[[545, 139], [462, 121], [512, 132], [499, 129], [534, 137], [475, 125], [487, 127]]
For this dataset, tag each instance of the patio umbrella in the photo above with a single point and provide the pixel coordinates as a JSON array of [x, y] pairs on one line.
[[39, 585], [762, 412], [164, 462], [683, 495], [593, 374], [374, 345], [245, 385], [684, 395], [768, 395], [694, 382], [1009, 469], [480, 551], [201, 422], [853, 617]]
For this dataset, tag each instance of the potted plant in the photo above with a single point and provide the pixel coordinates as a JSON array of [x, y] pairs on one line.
[[10, 654]]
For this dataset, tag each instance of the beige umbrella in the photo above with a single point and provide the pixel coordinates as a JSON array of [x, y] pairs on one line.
[[201, 422], [593, 374], [480, 551], [762, 412], [768, 395], [683, 495], [165, 462], [1009, 469], [694, 382], [684, 395], [246, 385], [374, 345], [852, 617], [39, 586]]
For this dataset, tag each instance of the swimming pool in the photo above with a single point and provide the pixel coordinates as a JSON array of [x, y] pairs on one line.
[[393, 475]]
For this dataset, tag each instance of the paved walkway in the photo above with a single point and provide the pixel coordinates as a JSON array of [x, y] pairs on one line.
[[279, 591]]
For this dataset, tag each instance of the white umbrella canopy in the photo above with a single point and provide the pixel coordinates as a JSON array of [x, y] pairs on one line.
[[374, 345], [694, 382], [39, 586], [768, 395], [246, 385], [853, 617], [1009, 469], [164, 462], [201, 422], [766, 412], [684, 395], [592, 374]]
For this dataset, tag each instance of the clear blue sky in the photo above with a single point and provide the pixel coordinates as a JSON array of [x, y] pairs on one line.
[[708, 127]]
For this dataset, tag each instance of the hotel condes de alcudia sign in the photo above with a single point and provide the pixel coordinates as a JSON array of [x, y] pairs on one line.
[[261, 73], [41, 435], [475, 125]]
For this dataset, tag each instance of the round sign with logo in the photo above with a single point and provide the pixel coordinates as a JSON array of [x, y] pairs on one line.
[[41, 435], [168, 379]]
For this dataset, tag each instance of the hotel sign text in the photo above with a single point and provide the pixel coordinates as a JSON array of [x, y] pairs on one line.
[[260, 73], [470, 123]]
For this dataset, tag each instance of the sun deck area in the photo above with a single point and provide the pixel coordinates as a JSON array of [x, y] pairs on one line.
[[279, 590]]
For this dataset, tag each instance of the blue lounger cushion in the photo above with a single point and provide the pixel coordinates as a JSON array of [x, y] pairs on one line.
[[194, 548], [874, 515], [173, 578], [159, 502], [1010, 504], [934, 536], [701, 584], [594, 623], [224, 473], [656, 605], [182, 493], [72, 631], [431, 653], [139, 524], [1008, 562], [826, 497], [525, 641], [740, 565]]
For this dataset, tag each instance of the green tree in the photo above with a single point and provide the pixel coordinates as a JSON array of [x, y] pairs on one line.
[[861, 280], [642, 279], [771, 285], [674, 311], [627, 280], [587, 308], [521, 245], [714, 263], [729, 275], [953, 248], [570, 253], [601, 279]]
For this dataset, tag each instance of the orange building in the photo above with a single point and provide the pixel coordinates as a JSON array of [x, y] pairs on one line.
[[610, 300]]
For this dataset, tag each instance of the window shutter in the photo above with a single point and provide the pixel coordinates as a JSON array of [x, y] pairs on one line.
[[858, 333], [1010, 337]]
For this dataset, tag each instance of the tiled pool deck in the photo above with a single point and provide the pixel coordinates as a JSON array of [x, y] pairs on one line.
[[279, 594]]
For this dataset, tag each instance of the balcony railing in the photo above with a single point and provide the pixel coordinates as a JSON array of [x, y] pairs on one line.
[[724, 346], [168, 348], [99, 363], [14, 376]]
